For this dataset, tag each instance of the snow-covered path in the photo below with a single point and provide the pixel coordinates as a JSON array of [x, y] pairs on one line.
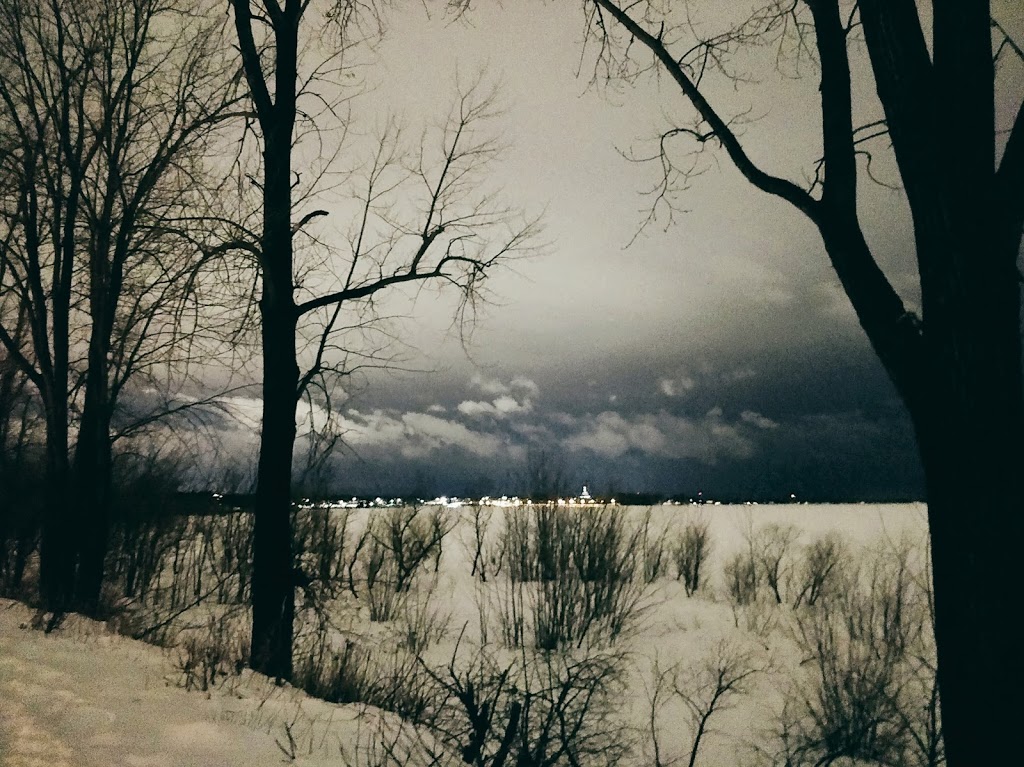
[[81, 697]]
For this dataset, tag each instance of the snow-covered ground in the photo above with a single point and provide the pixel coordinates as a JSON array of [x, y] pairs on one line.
[[85, 696]]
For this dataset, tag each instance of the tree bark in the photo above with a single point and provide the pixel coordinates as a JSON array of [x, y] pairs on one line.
[[973, 476], [272, 587], [56, 552], [92, 479]]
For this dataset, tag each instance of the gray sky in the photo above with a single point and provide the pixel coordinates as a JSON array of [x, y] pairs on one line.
[[717, 354]]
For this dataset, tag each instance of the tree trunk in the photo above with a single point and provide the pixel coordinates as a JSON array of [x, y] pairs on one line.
[[93, 459], [56, 552], [970, 429], [92, 473], [272, 585], [974, 514]]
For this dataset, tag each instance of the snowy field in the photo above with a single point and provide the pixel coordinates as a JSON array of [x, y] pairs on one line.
[[636, 690]]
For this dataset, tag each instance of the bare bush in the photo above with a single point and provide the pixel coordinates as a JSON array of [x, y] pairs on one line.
[[138, 551], [488, 555], [872, 656], [655, 548], [399, 544], [341, 669], [517, 544], [592, 593], [545, 709], [421, 621], [572, 577], [216, 651], [742, 578], [319, 545], [233, 539], [512, 609], [823, 570], [705, 689], [692, 548], [773, 545]]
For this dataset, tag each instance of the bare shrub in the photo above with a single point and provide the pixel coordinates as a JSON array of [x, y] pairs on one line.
[[705, 689], [382, 594], [773, 545], [691, 551], [339, 675], [421, 621], [440, 523], [742, 578], [320, 540], [872, 656], [517, 544], [760, 617], [139, 549], [572, 576], [233, 540], [399, 544], [341, 669], [654, 547], [216, 651], [513, 606], [546, 709], [409, 537], [823, 570], [592, 594], [486, 558]]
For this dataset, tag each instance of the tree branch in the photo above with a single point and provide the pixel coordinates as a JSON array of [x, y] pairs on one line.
[[766, 182], [251, 58]]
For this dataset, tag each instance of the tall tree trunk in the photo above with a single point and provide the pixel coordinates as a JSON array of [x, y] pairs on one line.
[[92, 481], [970, 430], [975, 522], [272, 585], [93, 461], [56, 552]]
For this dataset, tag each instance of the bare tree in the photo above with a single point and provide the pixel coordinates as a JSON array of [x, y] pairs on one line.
[[167, 95], [957, 368], [107, 164], [705, 689], [19, 475], [47, 151], [445, 240]]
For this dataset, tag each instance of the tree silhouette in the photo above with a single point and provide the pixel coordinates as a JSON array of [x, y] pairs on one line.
[[454, 236], [109, 110], [958, 367]]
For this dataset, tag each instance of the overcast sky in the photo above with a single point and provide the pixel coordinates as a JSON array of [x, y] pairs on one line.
[[718, 354]]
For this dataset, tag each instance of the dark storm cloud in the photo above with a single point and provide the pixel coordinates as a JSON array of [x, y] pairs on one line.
[[716, 354]]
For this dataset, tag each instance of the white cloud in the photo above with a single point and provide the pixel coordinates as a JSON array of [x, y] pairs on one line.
[[503, 406], [525, 385], [415, 435], [707, 439], [676, 387], [489, 385], [758, 420], [433, 433], [473, 408], [519, 384]]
